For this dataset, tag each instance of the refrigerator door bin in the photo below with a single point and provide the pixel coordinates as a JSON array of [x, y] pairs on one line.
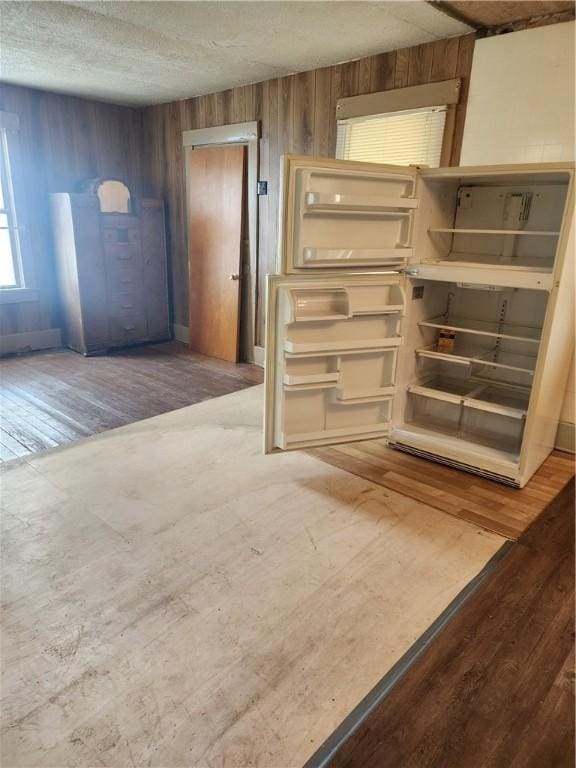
[[311, 418], [318, 304], [361, 333]]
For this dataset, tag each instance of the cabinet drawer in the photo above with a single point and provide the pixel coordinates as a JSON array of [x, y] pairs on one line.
[[127, 329], [122, 253], [121, 235], [127, 304], [123, 277], [124, 281]]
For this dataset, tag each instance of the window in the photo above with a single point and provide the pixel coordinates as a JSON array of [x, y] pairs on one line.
[[10, 259], [409, 137], [402, 126]]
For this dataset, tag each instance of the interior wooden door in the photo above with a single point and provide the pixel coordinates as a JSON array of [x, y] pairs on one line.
[[215, 208]]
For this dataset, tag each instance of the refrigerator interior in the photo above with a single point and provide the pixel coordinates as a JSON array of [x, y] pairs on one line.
[[336, 347], [506, 221], [475, 386]]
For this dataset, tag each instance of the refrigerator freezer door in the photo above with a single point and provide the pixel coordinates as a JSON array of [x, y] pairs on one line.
[[339, 215], [331, 349]]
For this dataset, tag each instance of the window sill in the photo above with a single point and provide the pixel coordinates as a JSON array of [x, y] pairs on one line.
[[18, 295]]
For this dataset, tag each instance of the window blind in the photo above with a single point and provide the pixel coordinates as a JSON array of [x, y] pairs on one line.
[[413, 137]]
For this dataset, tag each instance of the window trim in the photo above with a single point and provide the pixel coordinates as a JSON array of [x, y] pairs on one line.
[[9, 210], [26, 290], [400, 99]]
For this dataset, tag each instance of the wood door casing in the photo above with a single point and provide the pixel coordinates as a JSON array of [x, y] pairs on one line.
[[215, 209]]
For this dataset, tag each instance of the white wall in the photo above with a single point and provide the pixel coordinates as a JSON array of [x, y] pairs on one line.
[[521, 108]]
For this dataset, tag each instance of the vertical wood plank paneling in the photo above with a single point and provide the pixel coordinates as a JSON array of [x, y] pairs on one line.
[[401, 69], [297, 114], [444, 59], [286, 87], [64, 140], [365, 67], [324, 114], [420, 64], [349, 79], [383, 72], [304, 113]]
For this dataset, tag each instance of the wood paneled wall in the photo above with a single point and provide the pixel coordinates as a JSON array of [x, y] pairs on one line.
[[297, 115], [63, 140]]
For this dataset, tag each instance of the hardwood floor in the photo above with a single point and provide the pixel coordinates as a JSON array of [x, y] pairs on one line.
[[52, 398], [507, 511], [495, 689]]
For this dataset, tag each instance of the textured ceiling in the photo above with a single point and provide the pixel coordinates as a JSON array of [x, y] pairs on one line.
[[151, 52]]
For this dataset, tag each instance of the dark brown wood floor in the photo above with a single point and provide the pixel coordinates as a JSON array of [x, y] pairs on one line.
[[496, 687], [51, 398]]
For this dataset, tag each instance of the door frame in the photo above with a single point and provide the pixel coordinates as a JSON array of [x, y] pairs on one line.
[[247, 134]]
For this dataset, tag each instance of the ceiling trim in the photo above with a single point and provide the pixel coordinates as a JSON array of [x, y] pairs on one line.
[[447, 10]]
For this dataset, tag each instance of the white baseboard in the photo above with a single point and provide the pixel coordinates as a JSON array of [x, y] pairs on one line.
[[180, 332], [566, 437], [259, 356], [30, 340]]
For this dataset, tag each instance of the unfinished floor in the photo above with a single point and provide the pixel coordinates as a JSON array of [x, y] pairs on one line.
[[173, 597]]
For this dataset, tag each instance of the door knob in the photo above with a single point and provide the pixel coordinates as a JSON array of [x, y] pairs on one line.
[[234, 276]]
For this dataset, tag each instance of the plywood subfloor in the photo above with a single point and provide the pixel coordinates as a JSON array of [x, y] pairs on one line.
[[173, 597], [506, 511], [496, 688], [53, 398]]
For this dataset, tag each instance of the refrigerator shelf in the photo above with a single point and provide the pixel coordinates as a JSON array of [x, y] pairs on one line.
[[485, 328], [303, 439], [344, 203], [463, 231], [310, 378], [511, 361], [319, 258], [371, 395], [342, 346], [308, 386], [332, 353], [533, 263]]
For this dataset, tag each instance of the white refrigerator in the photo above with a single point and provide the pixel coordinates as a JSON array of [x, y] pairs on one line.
[[430, 307]]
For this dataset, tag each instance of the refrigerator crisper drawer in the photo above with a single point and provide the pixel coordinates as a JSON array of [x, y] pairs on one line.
[[331, 358], [512, 479]]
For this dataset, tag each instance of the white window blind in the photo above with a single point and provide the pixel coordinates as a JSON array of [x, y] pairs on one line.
[[413, 137]]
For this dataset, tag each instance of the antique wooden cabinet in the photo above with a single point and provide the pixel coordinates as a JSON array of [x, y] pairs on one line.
[[111, 271]]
